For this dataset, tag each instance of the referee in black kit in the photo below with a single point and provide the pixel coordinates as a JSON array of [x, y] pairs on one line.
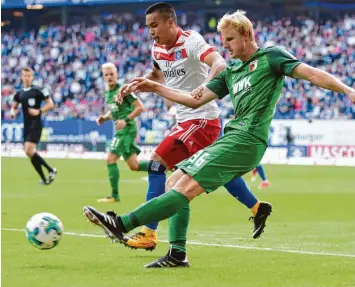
[[31, 98]]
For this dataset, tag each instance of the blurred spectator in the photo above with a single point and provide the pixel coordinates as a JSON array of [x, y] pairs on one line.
[[67, 60]]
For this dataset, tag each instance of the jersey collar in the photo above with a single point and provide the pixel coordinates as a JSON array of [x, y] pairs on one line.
[[116, 86], [238, 64], [177, 38], [27, 89]]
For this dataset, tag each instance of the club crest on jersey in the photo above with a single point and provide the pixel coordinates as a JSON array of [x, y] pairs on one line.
[[31, 102], [253, 65], [178, 55]]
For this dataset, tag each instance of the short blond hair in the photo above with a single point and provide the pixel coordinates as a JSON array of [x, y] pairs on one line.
[[109, 66], [239, 21]]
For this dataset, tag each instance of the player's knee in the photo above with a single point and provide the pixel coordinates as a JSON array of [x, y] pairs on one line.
[[134, 166], [172, 180], [111, 158], [156, 167], [188, 187], [29, 151], [169, 184], [192, 192]]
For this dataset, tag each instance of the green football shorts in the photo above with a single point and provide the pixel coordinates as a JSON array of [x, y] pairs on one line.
[[124, 145], [234, 154]]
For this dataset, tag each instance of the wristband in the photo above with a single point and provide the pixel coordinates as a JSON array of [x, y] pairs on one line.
[[127, 120]]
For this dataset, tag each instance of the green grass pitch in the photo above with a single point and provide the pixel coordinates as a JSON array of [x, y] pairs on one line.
[[309, 240]]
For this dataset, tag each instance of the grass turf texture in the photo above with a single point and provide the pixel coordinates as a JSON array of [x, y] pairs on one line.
[[314, 211]]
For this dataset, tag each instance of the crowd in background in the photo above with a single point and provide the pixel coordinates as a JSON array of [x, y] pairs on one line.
[[67, 60]]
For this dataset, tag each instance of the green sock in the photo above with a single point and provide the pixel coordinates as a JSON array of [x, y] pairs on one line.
[[114, 176], [143, 165], [178, 224], [156, 209]]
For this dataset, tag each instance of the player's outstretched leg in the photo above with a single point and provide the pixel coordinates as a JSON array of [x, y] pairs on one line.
[[261, 210], [265, 183], [157, 209], [114, 175], [114, 227], [107, 221]]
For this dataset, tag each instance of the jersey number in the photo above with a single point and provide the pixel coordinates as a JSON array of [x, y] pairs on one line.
[[114, 143], [176, 130], [199, 158]]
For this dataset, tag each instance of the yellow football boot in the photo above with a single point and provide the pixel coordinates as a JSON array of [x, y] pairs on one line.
[[145, 239]]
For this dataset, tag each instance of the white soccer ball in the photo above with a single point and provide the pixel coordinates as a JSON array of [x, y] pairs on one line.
[[44, 230]]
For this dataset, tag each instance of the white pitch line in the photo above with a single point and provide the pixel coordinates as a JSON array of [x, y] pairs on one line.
[[218, 245], [89, 181]]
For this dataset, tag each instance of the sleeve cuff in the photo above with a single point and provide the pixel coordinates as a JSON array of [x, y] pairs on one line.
[[289, 72], [215, 90], [208, 51]]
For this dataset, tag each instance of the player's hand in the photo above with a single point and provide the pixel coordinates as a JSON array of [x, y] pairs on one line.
[[122, 92], [142, 85], [197, 93], [100, 120], [34, 112], [120, 124], [352, 96], [13, 114]]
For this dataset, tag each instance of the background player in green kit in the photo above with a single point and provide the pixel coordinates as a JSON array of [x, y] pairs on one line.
[[124, 142], [254, 84]]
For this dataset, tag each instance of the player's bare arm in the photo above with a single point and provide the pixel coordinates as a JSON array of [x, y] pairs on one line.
[[184, 98], [155, 75], [168, 103], [322, 79], [103, 118], [217, 64], [138, 109], [14, 110], [47, 107]]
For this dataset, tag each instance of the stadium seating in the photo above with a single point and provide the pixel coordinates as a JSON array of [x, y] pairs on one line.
[[68, 60]]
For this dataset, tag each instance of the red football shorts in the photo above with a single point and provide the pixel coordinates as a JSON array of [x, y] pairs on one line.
[[186, 139]]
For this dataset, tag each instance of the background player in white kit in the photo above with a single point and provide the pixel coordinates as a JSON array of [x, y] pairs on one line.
[[182, 60]]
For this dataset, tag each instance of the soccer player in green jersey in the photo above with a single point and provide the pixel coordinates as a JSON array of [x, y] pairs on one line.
[[254, 84], [124, 142]]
